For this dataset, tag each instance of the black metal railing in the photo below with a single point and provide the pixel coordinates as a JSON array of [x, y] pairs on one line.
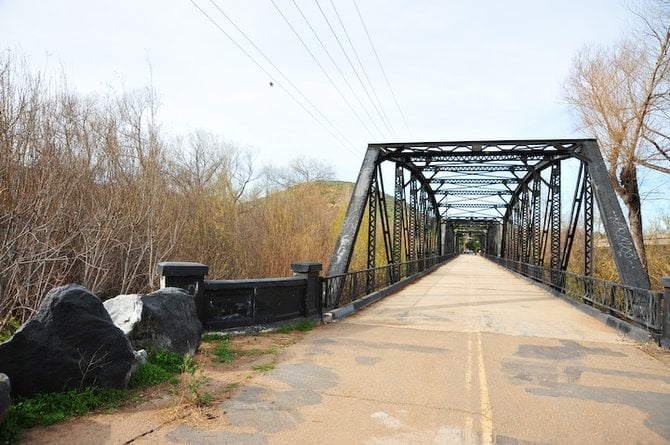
[[642, 307], [339, 290]]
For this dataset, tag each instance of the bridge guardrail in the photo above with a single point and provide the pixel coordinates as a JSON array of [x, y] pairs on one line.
[[642, 307], [224, 304], [339, 290]]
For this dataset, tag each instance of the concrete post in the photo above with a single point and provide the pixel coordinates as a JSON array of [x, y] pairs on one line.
[[665, 340], [187, 276], [310, 271]]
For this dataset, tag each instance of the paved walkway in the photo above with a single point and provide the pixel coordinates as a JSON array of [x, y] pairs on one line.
[[469, 354]]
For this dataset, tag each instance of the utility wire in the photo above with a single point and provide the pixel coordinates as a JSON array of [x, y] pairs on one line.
[[365, 73], [325, 73], [332, 60], [232, 22], [350, 147], [388, 83], [337, 39]]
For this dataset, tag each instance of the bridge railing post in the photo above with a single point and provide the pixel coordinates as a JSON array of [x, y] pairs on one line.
[[188, 276], [665, 340], [313, 303]]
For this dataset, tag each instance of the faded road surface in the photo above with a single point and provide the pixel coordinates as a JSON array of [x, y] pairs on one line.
[[469, 354]]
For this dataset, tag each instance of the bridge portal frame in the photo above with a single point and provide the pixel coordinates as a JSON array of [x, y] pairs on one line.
[[420, 228]]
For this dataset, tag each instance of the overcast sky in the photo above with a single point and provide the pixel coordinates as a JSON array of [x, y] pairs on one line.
[[459, 69]]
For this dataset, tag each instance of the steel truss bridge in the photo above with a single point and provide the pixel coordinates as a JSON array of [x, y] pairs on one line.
[[524, 200]]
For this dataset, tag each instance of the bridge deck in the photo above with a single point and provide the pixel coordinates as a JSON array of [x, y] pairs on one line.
[[468, 354]]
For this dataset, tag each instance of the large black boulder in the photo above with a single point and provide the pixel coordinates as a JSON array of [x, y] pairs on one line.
[[71, 342], [5, 396], [165, 319]]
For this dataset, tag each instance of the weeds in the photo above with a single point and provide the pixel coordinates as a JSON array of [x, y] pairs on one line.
[[210, 337], [151, 374], [230, 388], [161, 366], [8, 328], [199, 396], [301, 326], [47, 409], [264, 368], [223, 352]]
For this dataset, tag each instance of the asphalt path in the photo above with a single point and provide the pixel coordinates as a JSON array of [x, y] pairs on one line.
[[470, 354]]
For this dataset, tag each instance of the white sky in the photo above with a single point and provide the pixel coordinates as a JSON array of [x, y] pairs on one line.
[[461, 70]]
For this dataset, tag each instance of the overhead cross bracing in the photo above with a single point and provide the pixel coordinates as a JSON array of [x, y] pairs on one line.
[[490, 169], [508, 193]]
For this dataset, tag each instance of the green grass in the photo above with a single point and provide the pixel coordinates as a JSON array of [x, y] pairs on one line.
[[151, 374], [264, 368], [222, 352], [301, 326], [47, 409], [8, 329], [161, 366], [210, 337]]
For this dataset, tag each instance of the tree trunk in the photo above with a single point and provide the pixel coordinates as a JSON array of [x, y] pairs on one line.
[[631, 198]]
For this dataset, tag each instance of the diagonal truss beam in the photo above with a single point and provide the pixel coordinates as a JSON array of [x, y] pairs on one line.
[[344, 246], [626, 258]]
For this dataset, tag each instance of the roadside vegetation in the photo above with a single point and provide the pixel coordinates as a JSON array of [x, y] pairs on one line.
[[185, 379], [48, 409], [620, 96], [94, 191]]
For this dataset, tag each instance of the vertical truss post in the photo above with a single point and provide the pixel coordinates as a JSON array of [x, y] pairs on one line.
[[423, 224], [398, 213], [526, 229], [372, 234], [525, 232], [449, 237], [413, 226], [518, 231], [503, 239], [438, 233], [588, 235], [588, 225], [536, 227], [514, 225], [555, 219], [494, 239]]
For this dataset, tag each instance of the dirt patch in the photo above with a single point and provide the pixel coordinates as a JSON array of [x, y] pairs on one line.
[[224, 366], [659, 353]]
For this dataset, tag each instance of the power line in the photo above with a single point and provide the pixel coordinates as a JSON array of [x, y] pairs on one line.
[[337, 39], [325, 73], [388, 83], [332, 60], [349, 147], [365, 73], [232, 22]]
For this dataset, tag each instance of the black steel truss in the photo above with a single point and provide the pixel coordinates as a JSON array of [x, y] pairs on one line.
[[505, 193]]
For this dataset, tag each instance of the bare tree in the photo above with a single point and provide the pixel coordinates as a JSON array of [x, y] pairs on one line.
[[299, 171], [622, 96]]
